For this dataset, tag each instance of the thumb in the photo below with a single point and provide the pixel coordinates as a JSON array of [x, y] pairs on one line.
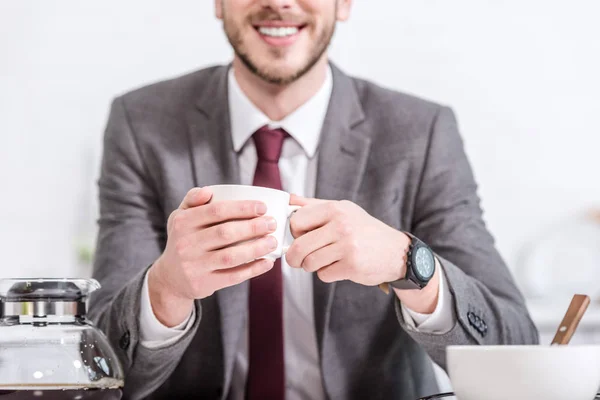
[[296, 200], [196, 197]]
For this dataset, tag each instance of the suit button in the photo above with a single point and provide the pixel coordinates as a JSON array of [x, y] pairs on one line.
[[124, 341], [477, 323], [471, 317]]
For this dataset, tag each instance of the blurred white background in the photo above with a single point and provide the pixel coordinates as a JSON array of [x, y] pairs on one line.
[[522, 76]]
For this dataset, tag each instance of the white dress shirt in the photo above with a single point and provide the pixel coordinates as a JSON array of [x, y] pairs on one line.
[[298, 168]]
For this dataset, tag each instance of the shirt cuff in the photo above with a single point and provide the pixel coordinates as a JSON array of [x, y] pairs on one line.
[[443, 318], [153, 334]]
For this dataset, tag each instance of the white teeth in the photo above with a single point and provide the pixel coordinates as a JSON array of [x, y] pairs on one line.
[[278, 32]]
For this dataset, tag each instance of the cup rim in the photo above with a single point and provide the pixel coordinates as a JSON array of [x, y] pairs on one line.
[[261, 188], [529, 347]]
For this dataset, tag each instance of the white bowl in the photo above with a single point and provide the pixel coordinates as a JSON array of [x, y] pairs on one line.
[[524, 372]]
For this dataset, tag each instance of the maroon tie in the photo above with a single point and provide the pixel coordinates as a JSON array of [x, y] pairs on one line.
[[266, 370]]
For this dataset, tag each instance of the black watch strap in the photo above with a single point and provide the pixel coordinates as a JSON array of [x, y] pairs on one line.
[[405, 284]]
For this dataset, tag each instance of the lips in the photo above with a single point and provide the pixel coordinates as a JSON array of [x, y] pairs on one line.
[[279, 33]]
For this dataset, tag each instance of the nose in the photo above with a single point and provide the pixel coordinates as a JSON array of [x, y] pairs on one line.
[[277, 4]]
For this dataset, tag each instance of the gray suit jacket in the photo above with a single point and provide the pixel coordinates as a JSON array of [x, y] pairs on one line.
[[399, 157]]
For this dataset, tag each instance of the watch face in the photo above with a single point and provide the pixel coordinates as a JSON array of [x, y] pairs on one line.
[[424, 263]]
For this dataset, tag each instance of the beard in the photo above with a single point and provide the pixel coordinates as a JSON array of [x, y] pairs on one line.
[[273, 75]]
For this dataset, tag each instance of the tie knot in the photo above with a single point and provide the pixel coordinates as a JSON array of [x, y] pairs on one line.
[[268, 143]]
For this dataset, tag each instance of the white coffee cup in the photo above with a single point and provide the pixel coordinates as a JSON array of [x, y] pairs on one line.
[[278, 207]]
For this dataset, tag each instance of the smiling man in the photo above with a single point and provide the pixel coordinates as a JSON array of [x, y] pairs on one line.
[[388, 200]]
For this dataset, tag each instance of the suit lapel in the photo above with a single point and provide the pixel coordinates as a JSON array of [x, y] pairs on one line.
[[213, 158], [342, 157], [215, 162]]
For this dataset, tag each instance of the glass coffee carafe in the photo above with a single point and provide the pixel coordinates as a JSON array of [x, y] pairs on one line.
[[48, 349]]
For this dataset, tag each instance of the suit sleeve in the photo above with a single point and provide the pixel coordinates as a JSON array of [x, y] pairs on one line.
[[131, 237], [489, 307]]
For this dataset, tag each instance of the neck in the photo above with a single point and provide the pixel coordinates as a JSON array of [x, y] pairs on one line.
[[278, 101]]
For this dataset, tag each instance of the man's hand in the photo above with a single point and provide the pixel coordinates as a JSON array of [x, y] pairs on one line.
[[204, 254], [340, 241]]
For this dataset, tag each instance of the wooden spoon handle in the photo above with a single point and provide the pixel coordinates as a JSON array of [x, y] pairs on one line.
[[571, 319]]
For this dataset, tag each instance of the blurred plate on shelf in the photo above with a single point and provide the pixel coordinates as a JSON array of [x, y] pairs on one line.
[[564, 259]]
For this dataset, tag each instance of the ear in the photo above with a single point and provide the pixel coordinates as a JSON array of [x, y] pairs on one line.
[[343, 9], [219, 9]]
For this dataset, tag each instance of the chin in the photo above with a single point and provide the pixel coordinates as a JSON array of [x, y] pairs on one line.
[[283, 72]]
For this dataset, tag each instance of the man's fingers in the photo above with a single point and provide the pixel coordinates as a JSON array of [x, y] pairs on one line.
[[195, 197], [228, 210], [313, 216], [309, 243], [228, 233], [242, 253], [242, 273], [192, 219], [323, 257], [332, 273]]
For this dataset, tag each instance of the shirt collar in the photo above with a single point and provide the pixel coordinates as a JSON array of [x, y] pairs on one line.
[[304, 124]]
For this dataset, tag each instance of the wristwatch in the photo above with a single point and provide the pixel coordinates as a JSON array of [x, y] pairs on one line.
[[420, 265]]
